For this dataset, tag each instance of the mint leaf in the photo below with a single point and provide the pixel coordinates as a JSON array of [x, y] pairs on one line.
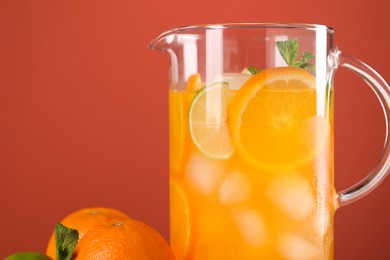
[[308, 66], [306, 56], [289, 50], [66, 241], [253, 70]]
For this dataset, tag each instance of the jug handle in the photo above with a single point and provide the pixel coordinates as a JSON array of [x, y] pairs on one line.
[[382, 91]]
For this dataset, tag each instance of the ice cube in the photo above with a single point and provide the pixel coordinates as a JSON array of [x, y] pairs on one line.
[[251, 227], [295, 247], [293, 194], [235, 188], [235, 80], [204, 174]]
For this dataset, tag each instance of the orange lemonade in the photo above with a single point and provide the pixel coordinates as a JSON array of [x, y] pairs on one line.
[[251, 168]]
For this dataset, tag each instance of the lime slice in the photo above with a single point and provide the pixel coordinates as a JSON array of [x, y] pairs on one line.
[[28, 256], [208, 121]]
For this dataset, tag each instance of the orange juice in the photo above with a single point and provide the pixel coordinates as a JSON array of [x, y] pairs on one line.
[[251, 169]]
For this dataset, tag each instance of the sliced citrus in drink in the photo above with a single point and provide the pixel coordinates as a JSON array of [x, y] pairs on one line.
[[178, 112], [208, 124], [194, 83], [273, 120], [181, 231], [177, 130]]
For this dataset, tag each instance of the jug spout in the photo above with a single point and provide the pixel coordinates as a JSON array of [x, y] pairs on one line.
[[162, 42], [182, 46], [173, 38]]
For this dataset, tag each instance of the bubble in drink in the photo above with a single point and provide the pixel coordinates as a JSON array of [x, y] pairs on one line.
[[235, 188], [203, 174], [293, 194], [251, 227]]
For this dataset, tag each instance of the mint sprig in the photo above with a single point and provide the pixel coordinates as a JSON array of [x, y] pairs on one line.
[[66, 241], [289, 50], [253, 70]]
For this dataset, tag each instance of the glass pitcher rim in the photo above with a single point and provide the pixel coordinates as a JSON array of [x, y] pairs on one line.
[[306, 26], [224, 26]]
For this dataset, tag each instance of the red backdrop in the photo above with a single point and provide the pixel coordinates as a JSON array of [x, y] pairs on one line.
[[83, 110]]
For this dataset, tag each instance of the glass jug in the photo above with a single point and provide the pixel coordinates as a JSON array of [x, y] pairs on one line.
[[251, 140]]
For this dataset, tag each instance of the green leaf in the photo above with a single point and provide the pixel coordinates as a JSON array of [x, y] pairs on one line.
[[253, 70], [66, 241], [306, 56], [289, 50], [307, 66]]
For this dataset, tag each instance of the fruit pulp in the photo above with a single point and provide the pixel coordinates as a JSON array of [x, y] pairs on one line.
[[273, 196]]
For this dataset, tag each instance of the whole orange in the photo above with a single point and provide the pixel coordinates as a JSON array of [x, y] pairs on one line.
[[84, 220], [122, 240]]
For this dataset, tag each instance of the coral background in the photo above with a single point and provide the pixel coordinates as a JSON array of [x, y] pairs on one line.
[[84, 120]]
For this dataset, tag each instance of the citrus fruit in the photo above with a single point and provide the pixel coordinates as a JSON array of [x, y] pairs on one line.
[[273, 119], [208, 124], [83, 221], [121, 240], [178, 115], [178, 130], [28, 256], [194, 83], [181, 219]]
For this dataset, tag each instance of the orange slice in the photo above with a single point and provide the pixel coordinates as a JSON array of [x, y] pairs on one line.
[[178, 130], [273, 120], [181, 218], [194, 83]]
